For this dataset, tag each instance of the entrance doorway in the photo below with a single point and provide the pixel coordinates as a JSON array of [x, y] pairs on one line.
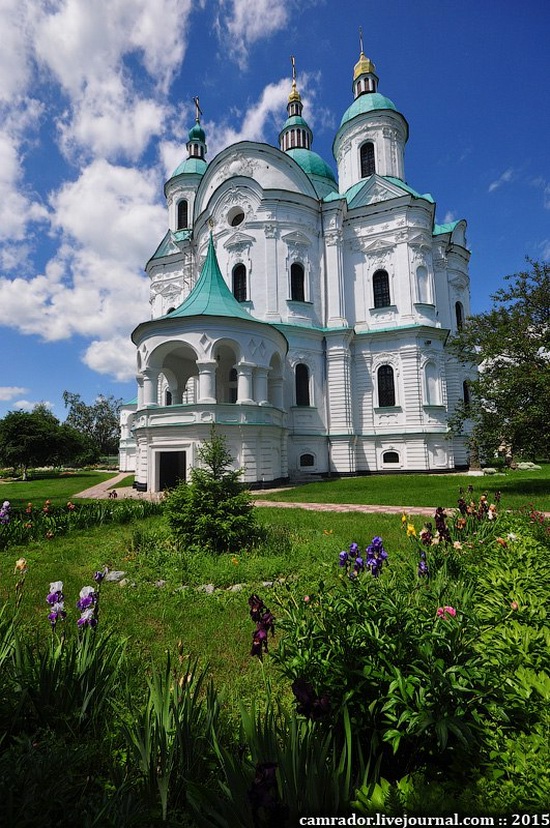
[[172, 467]]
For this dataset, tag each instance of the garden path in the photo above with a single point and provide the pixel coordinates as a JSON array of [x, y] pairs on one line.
[[102, 490]]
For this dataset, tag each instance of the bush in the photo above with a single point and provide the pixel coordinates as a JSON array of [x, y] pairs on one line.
[[213, 513], [436, 658]]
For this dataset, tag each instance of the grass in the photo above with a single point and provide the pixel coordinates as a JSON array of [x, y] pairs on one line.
[[153, 618], [59, 488], [518, 488]]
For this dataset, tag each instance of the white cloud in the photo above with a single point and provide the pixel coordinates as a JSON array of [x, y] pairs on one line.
[[115, 357], [505, 178], [108, 222], [29, 405], [545, 249], [15, 54], [449, 216], [112, 211], [85, 45], [8, 392], [243, 23]]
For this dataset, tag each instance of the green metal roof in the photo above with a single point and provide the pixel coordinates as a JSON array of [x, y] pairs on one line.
[[399, 183], [196, 133], [210, 296], [367, 103], [444, 228], [295, 120], [311, 163], [190, 165], [355, 189], [168, 245]]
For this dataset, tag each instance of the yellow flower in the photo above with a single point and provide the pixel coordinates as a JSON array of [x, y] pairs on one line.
[[404, 518], [235, 561], [20, 566], [411, 530], [457, 545]]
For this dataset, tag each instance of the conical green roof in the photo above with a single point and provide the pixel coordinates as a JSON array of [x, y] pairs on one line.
[[210, 296]]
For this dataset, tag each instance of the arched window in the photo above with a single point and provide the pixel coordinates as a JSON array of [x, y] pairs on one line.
[[386, 386], [239, 283], [307, 460], [390, 457], [381, 289], [183, 218], [466, 394], [302, 384], [168, 397], [297, 292], [459, 312], [368, 166]]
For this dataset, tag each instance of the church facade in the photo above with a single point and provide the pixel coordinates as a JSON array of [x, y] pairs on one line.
[[304, 314]]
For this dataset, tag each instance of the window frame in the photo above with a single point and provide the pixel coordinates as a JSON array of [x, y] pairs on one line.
[[297, 282], [385, 381], [367, 159], [239, 287], [381, 293], [302, 379]]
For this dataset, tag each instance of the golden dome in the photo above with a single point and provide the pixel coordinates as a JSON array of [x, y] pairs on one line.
[[363, 66], [294, 94]]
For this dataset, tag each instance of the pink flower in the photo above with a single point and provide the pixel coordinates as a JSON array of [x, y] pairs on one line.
[[306, 599], [443, 612]]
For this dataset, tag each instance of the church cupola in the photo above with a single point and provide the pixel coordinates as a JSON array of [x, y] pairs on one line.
[[295, 134], [373, 133], [365, 80], [196, 145]]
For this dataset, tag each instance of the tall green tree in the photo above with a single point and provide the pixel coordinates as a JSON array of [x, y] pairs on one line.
[[510, 398], [100, 422], [37, 438]]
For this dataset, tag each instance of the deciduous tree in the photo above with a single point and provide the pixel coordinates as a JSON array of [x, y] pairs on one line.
[[100, 422], [510, 398]]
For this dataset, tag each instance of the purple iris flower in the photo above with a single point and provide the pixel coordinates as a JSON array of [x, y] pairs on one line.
[[376, 556], [99, 576], [353, 549], [87, 619], [308, 703], [343, 559], [423, 570]]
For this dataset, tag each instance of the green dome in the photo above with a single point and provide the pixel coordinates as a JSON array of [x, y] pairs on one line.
[[311, 163], [191, 165], [296, 120], [367, 103], [196, 133]]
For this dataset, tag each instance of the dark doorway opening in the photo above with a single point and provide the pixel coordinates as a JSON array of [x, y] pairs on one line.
[[171, 469]]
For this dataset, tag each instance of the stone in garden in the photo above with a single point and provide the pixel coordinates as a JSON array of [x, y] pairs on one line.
[[114, 575], [489, 470], [236, 588], [208, 588]]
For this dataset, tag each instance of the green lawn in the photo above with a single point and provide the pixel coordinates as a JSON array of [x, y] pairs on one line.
[[518, 488], [215, 628], [59, 488]]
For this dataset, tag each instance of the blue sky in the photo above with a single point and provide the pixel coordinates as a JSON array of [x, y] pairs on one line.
[[96, 103]]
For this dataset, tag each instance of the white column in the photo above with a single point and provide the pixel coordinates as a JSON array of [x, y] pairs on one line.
[[207, 381], [244, 383], [260, 386], [150, 383], [277, 397], [139, 379]]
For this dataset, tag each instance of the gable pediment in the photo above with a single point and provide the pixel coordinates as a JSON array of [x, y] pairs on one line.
[[375, 189], [238, 240], [296, 239]]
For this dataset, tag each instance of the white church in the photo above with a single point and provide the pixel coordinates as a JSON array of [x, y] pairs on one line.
[[304, 314]]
